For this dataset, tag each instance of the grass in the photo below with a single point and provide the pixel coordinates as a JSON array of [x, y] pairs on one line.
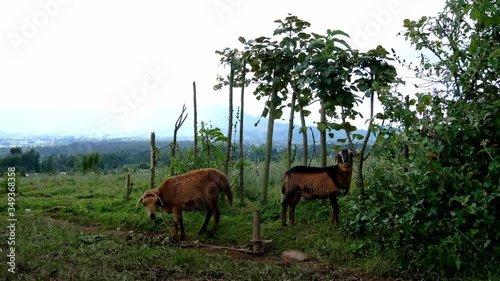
[[98, 235]]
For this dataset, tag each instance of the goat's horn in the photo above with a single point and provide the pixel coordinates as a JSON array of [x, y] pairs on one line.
[[140, 199], [161, 202]]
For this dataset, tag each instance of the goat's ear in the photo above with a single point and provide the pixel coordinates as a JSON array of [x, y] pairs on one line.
[[338, 157]]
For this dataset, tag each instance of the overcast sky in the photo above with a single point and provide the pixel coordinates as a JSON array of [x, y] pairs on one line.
[[126, 67]]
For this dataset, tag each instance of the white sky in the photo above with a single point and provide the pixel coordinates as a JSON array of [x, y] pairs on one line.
[[126, 67]]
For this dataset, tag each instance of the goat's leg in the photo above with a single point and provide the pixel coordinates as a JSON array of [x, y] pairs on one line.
[[181, 223], [216, 211], [293, 202], [284, 206], [176, 218], [207, 219], [335, 207], [283, 214]]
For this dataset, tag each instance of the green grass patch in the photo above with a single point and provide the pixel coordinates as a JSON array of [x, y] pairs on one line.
[[80, 242]]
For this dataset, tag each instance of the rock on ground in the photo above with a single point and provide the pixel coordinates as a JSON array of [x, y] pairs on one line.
[[293, 256]]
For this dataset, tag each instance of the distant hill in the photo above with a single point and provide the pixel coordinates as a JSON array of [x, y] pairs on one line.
[[255, 133]]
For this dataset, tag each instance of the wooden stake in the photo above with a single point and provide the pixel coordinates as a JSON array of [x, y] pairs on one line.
[[257, 243], [128, 188], [153, 162]]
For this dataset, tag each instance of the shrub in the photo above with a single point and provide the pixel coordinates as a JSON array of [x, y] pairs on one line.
[[441, 219]]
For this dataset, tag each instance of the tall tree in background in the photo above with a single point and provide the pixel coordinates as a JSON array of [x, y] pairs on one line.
[[236, 78], [241, 138], [228, 57], [91, 162], [271, 64], [328, 71], [178, 124], [373, 76], [293, 42]]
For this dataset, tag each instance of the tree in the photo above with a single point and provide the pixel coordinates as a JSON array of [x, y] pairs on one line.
[[91, 162], [178, 125], [236, 78], [373, 76], [294, 40], [48, 166], [31, 161], [271, 64], [444, 195], [328, 71], [228, 57], [16, 151], [241, 143]]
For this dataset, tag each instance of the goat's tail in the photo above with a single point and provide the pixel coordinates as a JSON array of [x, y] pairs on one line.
[[229, 193], [285, 182], [226, 188]]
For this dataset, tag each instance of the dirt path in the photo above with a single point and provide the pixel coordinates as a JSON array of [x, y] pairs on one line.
[[230, 251]]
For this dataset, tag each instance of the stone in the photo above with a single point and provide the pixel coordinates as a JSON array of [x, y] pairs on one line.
[[293, 256]]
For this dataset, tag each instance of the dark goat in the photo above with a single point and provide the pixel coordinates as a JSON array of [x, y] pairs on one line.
[[317, 183]]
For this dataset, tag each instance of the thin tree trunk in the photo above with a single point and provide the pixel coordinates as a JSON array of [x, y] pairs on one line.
[[195, 122], [290, 132], [269, 145], [242, 156], [230, 121], [314, 148], [322, 135], [361, 180], [178, 124], [305, 145]]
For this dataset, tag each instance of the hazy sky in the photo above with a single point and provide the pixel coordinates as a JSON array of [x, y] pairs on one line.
[[121, 67]]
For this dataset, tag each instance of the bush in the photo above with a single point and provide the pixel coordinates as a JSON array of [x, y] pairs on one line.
[[441, 220]]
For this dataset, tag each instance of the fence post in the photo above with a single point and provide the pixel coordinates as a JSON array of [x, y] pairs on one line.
[[153, 162], [257, 243]]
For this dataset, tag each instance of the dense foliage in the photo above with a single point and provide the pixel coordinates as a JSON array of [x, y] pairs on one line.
[[438, 205]]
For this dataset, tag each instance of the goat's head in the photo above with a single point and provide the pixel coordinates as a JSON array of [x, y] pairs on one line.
[[344, 159], [150, 200]]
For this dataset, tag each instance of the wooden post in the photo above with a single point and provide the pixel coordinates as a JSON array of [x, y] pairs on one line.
[[195, 125], [128, 188], [257, 243], [153, 162]]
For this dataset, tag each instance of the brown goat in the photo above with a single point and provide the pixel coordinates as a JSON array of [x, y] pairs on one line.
[[315, 182], [195, 190]]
